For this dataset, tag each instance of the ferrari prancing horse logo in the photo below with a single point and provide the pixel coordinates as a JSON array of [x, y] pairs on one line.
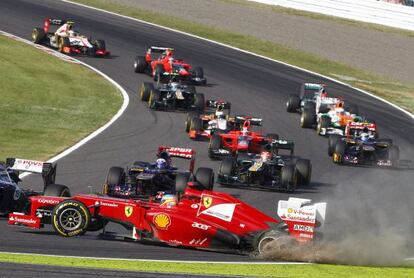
[[207, 201], [128, 211]]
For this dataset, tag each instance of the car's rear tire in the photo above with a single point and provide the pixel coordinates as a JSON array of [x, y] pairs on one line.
[[140, 64], [190, 116], [199, 101], [332, 141], [38, 35], [154, 98], [198, 72], [308, 118], [310, 105], [293, 103], [70, 218], [227, 166], [215, 144], [145, 91], [62, 43], [288, 178], [205, 177], [57, 190], [303, 171], [181, 181], [196, 124], [115, 176], [339, 152], [272, 241]]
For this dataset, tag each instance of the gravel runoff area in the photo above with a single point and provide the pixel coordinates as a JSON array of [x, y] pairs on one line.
[[384, 53]]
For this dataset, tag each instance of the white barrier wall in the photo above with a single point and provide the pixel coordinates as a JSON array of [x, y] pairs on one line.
[[372, 11]]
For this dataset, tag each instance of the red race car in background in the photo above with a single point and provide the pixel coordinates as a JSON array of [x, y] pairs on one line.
[[244, 140], [160, 63], [66, 40], [193, 217]]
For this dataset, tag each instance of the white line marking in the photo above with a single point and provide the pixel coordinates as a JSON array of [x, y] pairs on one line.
[[247, 52], [144, 260], [99, 130]]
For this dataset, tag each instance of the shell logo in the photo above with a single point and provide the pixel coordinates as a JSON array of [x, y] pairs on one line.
[[290, 210], [162, 221]]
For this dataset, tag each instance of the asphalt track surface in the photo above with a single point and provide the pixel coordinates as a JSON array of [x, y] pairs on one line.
[[253, 85]]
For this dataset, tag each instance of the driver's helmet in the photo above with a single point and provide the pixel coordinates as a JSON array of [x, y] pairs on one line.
[[339, 104], [169, 200], [168, 53], [323, 93], [265, 156], [164, 155], [161, 163], [245, 131]]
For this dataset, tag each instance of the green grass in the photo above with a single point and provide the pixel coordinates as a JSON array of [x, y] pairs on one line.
[[256, 270], [48, 104], [401, 94]]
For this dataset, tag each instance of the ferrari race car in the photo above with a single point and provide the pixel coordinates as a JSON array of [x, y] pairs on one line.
[[216, 119], [194, 217], [268, 170], [160, 64], [12, 197], [360, 147], [172, 96], [67, 40], [150, 180], [239, 141]]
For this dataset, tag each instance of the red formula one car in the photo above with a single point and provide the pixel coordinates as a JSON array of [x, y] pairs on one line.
[[160, 63], [65, 39], [195, 217], [244, 140]]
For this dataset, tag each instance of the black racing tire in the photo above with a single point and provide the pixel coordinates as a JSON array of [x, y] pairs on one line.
[[196, 124], [181, 181], [198, 72], [205, 177], [324, 122], [57, 190], [115, 176], [339, 152], [145, 91], [303, 171], [100, 45], [308, 118], [70, 218], [199, 101], [38, 35], [190, 116], [154, 97], [215, 144], [353, 109], [310, 105], [271, 241], [288, 178], [140, 64], [333, 139], [227, 166], [293, 103], [62, 43], [158, 72]]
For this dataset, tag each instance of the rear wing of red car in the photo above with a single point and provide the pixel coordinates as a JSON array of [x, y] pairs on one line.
[[159, 49], [241, 119], [303, 219], [46, 169], [179, 152]]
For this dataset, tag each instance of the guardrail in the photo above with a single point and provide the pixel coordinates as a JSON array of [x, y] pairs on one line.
[[372, 11]]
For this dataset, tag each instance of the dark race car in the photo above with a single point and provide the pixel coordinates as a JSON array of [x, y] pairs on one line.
[[307, 98], [160, 63], [269, 169], [360, 147], [172, 96], [12, 197], [194, 217], [67, 40], [152, 180]]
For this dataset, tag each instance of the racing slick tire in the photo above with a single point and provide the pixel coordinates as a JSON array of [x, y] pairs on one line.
[[158, 73], [271, 241], [145, 91], [140, 64], [324, 122], [57, 190], [196, 124], [70, 218], [198, 72], [199, 101], [394, 155], [310, 105], [215, 144], [190, 116], [288, 178], [205, 177], [293, 103], [339, 152], [154, 98], [303, 169], [227, 167], [332, 141], [62, 43], [181, 181], [116, 176], [38, 35], [308, 118]]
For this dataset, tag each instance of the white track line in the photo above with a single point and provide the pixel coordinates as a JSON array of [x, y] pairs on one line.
[[247, 52], [71, 59], [156, 261]]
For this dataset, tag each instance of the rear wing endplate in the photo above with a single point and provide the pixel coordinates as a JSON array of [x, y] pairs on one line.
[[210, 103]]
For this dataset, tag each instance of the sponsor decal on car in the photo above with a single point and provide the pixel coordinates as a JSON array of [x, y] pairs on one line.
[[303, 228], [207, 201], [162, 221], [200, 226], [48, 201], [105, 204], [128, 211]]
